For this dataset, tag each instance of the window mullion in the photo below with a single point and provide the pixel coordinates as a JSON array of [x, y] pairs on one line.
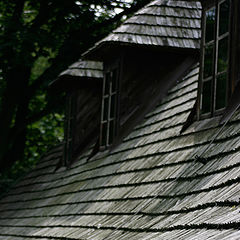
[[69, 128], [229, 36], [215, 60], [102, 110], [109, 110], [108, 116], [222, 62]]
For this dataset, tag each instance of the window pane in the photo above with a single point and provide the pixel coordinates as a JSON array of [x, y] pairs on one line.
[[111, 132], [113, 108], [105, 110], [221, 91], [223, 54], [109, 107], [208, 61], [210, 22], [224, 17], [206, 97], [107, 83]]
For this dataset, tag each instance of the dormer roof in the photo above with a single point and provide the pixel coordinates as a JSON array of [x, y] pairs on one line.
[[79, 70], [162, 23]]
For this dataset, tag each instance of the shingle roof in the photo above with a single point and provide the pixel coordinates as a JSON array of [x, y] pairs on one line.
[[81, 68], [149, 187], [165, 23]]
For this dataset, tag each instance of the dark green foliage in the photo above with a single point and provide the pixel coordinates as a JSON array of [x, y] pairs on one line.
[[38, 40]]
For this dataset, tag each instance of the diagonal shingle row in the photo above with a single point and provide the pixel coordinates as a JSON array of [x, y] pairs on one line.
[[161, 23], [148, 187], [149, 184]]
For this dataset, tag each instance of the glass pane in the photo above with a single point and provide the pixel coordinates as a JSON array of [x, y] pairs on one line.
[[105, 109], [113, 103], [210, 22], [224, 12], [223, 55], [104, 134], [111, 132], [208, 62], [206, 97], [221, 91], [107, 83], [114, 80]]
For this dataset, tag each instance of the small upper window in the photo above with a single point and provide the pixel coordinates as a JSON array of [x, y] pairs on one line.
[[215, 59], [108, 128], [70, 120]]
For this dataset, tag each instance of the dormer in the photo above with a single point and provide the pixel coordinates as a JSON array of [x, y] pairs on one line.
[[125, 75], [142, 59], [82, 85]]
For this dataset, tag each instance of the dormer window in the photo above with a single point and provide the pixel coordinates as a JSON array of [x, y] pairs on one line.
[[81, 83], [70, 123], [215, 82], [109, 120]]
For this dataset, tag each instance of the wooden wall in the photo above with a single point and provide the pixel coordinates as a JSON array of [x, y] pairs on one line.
[[86, 117], [145, 79]]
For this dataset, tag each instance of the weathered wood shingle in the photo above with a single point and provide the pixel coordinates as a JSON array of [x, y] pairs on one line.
[[81, 68], [79, 71], [161, 23], [149, 187]]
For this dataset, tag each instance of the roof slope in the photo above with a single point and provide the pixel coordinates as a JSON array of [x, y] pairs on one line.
[[81, 68], [165, 23], [149, 187]]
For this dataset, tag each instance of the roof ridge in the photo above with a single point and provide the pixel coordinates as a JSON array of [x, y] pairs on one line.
[[174, 3]]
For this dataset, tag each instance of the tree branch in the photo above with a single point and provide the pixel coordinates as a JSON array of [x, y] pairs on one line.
[[127, 11], [52, 72], [42, 16]]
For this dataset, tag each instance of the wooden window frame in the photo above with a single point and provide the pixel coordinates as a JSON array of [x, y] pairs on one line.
[[213, 112], [69, 128], [110, 116]]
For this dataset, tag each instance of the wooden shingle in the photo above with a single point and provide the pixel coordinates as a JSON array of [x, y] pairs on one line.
[[160, 23], [151, 185], [81, 68]]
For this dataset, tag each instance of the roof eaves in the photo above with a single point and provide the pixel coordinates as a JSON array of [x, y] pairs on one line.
[[80, 70]]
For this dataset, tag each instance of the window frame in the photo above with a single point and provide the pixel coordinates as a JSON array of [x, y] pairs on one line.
[[69, 127], [215, 43], [109, 134]]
